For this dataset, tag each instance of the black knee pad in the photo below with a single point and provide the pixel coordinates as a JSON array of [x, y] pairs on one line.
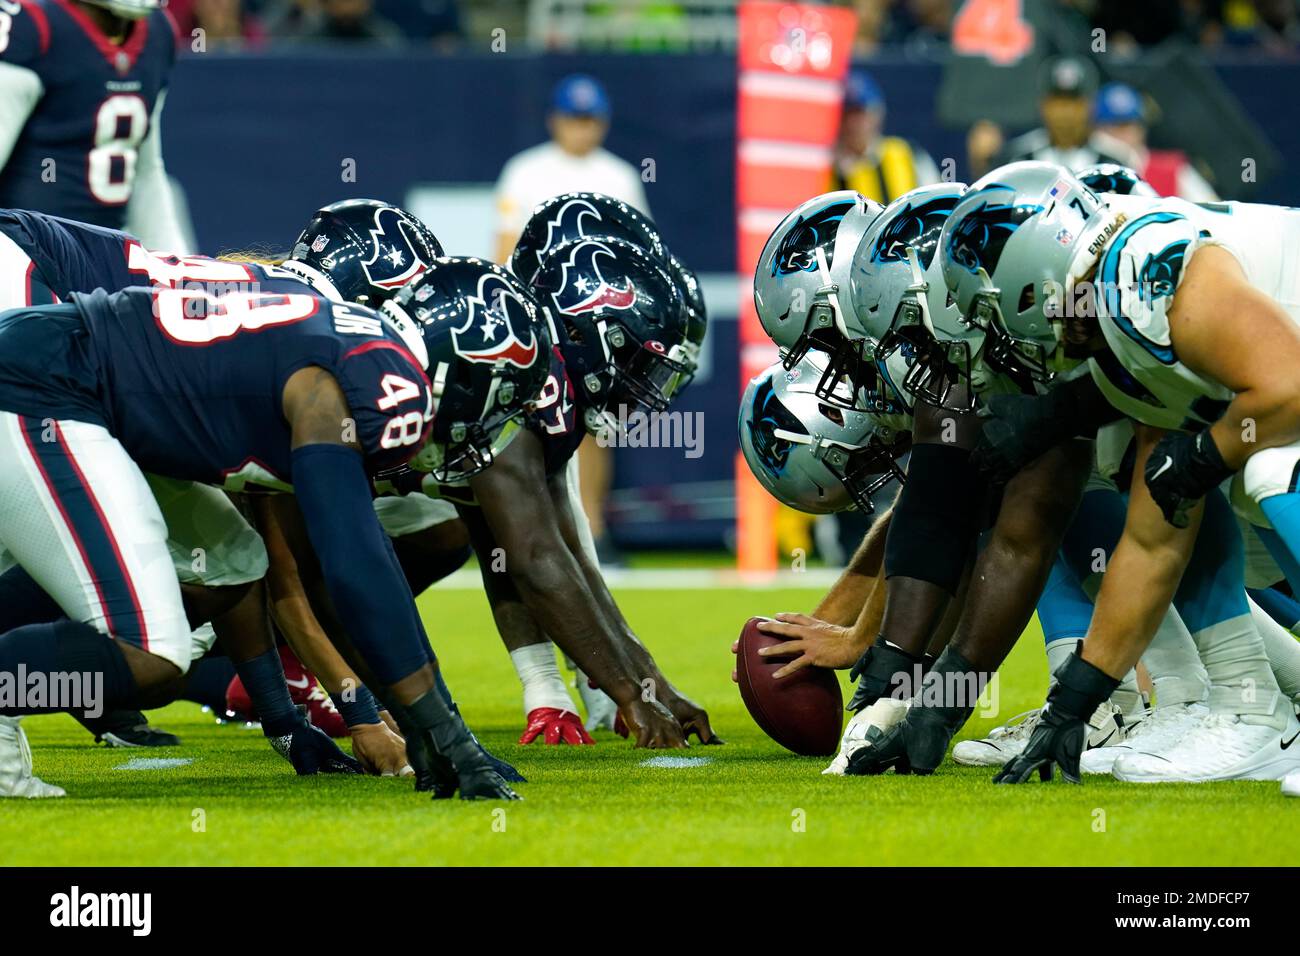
[[936, 518]]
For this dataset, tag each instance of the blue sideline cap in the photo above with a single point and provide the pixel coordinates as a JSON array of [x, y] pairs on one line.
[[580, 95]]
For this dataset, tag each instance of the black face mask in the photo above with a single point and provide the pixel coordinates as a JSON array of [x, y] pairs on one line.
[[866, 470]]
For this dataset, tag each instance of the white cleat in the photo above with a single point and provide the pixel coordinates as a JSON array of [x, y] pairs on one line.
[[1160, 730], [1221, 747], [1106, 728], [864, 727], [16, 778], [1002, 745], [1291, 785]]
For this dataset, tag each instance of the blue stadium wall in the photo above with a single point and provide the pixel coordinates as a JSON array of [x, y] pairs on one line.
[[258, 141]]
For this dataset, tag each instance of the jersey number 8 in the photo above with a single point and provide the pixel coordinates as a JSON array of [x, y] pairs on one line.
[[120, 126]]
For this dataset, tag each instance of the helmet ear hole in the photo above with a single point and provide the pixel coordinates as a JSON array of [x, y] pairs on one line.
[[832, 412], [1026, 299]]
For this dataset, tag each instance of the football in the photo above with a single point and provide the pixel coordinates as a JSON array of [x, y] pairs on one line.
[[803, 712]]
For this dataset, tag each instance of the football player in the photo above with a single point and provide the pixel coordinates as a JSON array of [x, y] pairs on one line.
[[176, 381], [615, 315], [82, 87], [1035, 227], [44, 259]]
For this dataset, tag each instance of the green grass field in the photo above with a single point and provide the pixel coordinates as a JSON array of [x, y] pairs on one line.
[[600, 805]]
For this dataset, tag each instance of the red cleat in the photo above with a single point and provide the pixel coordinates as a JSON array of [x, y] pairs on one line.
[[555, 726], [304, 691]]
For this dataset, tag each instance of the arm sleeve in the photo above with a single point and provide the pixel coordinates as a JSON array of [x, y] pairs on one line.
[[365, 584], [151, 212]]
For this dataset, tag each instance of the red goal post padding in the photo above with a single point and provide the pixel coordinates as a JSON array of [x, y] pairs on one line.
[[792, 62]]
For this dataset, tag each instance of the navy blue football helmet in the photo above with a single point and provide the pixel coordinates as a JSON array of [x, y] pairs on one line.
[[489, 353], [367, 249], [618, 319], [572, 216]]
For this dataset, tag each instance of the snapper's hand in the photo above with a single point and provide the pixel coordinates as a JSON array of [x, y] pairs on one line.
[[380, 751], [813, 643]]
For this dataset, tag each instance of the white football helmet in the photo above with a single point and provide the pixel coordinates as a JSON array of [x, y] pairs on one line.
[[813, 456]]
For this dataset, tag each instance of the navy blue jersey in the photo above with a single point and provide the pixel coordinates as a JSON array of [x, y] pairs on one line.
[[191, 384], [73, 256], [76, 155], [555, 417]]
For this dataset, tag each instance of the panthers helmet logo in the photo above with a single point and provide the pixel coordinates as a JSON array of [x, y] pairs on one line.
[[982, 233], [1159, 274], [583, 288], [797, 251], [492, 331], [394, 259], [917, 226], [768, 416]]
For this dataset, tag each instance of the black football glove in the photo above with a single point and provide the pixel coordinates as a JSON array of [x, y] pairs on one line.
[[875, 672], [1181, 470], [310, 751], [1062, 731]]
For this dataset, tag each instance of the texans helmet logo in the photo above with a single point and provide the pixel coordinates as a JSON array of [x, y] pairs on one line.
[[583, 288], [491, 333], [393, 260], [566, 225], [798, 250], [982, 234], [914, 226]]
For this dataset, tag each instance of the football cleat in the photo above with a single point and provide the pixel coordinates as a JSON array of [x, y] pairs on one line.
[[322, 713], [916, 744], [1220, 747], [1106, 730], [1160, 730], [866, 727], [602, 712], [554, 726], [16, 779], [129, 728]]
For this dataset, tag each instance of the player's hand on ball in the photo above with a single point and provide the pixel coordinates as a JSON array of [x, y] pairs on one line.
[[1057, 740], [653, 725], [812, 643], [380, 751], [555, 726]]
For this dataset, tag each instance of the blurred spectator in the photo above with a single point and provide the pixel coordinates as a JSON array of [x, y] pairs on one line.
[[573, 160], [1129, 25], [437, 20], [878, 166], [984, 143], [332, 20], [1066, 136], [225, 23], [1119, 114]]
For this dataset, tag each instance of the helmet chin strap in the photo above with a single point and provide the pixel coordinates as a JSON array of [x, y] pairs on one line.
[[831, 290]]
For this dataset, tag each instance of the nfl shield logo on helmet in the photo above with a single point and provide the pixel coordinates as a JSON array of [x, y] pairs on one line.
[[584, 287], [492, 331]]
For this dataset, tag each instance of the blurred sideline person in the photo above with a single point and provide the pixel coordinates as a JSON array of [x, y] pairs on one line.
[[1066, 136], [1119, 114], [879, 167], [573, 160], [69, 72]]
